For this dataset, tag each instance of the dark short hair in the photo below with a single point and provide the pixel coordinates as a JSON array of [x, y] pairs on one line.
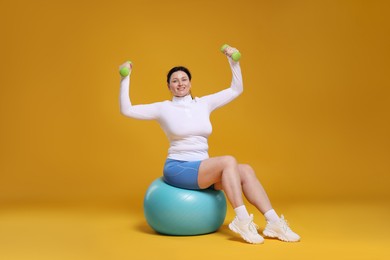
[[178, 68]]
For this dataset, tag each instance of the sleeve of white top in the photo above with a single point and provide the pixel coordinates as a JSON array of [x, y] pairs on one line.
[[146, 112], [225, 96]]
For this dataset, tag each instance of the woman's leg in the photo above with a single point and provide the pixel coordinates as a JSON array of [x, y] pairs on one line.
[[252, 188], [224, 171], [256, 195]]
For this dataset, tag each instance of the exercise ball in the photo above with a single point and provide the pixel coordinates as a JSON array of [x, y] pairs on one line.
[[182, 212]]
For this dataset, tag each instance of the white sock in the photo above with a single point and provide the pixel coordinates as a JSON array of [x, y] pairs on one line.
[[271, 216], [242, 213]]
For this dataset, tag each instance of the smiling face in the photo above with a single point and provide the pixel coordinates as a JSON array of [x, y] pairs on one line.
[[179, 84]]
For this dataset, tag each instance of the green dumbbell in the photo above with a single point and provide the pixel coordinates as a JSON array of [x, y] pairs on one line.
[[235, 56], [125, 71]]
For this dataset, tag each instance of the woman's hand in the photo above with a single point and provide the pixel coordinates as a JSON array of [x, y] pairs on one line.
[[228, 51], [125, 69], [231, 52]]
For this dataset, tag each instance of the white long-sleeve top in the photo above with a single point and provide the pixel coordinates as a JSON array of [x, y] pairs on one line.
[[185, 121]]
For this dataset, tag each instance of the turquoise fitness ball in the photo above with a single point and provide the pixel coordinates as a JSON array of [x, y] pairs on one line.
[[182, 212]]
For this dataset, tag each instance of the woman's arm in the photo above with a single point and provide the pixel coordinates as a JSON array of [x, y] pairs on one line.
[[225, 96], [146, 112]]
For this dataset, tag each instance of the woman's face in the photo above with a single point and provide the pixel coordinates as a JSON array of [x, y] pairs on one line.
[[179, 84]]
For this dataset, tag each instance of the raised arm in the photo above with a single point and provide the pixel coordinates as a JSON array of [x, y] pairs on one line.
[[146, 112], [225, 96], [236, 84]]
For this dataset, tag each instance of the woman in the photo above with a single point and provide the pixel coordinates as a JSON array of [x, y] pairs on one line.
[[186, 122]]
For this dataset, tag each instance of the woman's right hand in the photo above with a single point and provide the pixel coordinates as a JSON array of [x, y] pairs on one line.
[[127, 65]]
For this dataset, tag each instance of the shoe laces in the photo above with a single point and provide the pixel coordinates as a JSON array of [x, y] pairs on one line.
[[252, 226], [285, 224]]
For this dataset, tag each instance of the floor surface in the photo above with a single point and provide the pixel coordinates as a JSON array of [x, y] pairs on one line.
[[329, 230]]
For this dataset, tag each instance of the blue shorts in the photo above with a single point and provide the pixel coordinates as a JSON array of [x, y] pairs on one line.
[[182, 174]]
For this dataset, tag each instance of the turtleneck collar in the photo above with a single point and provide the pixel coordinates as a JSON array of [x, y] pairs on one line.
[[182, 100]]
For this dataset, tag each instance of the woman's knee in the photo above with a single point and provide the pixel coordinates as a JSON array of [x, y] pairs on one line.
[[246, 171], [229, 161]]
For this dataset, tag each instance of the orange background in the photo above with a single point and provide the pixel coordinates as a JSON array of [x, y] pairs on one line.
[[313, 119]]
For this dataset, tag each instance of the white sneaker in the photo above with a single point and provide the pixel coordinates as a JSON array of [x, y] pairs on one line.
[[281, 230], [247, 229]]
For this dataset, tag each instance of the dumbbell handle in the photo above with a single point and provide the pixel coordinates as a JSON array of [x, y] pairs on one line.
[[235, 55]]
